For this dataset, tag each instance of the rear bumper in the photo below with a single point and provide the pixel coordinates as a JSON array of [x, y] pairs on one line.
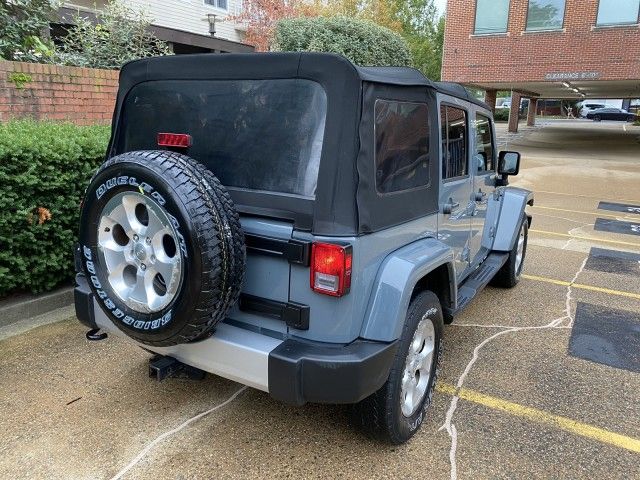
[[292, 371], [301, 372]]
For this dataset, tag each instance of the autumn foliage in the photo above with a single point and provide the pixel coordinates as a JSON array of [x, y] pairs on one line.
[[416, 21], [261, 16]]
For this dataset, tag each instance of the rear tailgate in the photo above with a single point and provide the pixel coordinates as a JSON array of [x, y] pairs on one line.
[[264, 302]]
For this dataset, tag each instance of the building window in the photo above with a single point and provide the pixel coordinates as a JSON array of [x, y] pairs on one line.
[[545, 14], [618, 12], [454, 142], [402, 145], [217, 3], [492, 16], [484, 145]]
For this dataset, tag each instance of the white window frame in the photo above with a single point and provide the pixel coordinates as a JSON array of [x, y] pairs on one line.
[[217, 5]]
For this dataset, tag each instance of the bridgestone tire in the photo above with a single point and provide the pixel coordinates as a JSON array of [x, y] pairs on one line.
[[381, 413], [210, 246], [510, 273]]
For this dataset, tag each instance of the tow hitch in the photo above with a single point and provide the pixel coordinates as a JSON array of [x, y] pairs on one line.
[[161, 367], [94, 335]]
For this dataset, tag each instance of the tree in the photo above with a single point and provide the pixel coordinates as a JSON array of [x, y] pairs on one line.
[[23, 27], [261, 17], [427, 50], [415, 20], [121, 34], [361, 41]]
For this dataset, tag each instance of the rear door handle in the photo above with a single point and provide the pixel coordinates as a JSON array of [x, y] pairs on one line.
[[449, 207], [481, 196]]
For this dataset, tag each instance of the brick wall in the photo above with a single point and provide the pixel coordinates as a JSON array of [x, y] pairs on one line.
[[79, 95], [519, 56]]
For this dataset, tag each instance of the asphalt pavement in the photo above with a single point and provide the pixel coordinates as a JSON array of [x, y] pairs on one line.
[[540, 381]]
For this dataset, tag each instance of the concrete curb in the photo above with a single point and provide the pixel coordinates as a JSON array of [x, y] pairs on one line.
[[22, 308]]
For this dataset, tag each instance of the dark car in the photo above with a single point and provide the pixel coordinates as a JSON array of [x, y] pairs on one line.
[[611, 113]]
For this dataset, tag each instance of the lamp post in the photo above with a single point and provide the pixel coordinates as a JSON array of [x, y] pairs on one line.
[[211, 18]]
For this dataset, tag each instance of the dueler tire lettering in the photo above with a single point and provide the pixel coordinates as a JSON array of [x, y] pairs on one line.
[[208, 239]]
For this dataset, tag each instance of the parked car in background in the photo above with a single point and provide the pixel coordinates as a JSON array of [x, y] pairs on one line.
[[611, 113], [590, 107]]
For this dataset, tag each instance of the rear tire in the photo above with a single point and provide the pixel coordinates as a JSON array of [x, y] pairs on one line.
[[393, 413], [510, 273], [597, 118]]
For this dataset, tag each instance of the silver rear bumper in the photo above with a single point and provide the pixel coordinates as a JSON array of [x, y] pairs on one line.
[[234, 353]]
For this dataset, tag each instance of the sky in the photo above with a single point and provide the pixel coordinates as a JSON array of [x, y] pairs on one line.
[[441, 5]]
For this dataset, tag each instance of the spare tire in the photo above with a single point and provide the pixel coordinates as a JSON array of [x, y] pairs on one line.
[[162, 246]]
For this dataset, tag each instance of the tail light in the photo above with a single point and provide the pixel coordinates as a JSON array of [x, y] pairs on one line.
[[331, 269], [176, 140]]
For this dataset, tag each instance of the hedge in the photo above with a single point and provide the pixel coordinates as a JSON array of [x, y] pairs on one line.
[[44, 169], [501, 115], [361, 41]]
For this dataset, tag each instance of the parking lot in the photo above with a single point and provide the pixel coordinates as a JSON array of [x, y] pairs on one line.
[[539, 381]]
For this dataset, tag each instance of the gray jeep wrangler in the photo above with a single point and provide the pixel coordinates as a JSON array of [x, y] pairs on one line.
[[298, 224]]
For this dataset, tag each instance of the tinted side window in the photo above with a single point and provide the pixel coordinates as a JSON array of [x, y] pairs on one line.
[[402, 145], [454, 142], [484, 144]]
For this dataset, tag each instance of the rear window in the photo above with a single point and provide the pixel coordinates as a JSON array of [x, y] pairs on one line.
[[253, 134]]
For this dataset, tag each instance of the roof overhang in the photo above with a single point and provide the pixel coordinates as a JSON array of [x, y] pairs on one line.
[[566, 88], [66, 15]]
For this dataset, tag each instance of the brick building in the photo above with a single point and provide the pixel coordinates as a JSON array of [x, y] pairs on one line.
[[561, 49]]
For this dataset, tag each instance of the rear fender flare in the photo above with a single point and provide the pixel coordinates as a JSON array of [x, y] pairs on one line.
[[395, 282], [514, 202]]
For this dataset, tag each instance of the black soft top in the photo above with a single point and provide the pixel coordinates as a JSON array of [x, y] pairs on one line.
[[346, 201], [411, 77], [234, 65]]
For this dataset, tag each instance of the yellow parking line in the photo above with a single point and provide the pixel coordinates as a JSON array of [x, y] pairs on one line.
[[580, 286], [540, 416], [589, 239], [587, 196], [547, 280], [582, 212]]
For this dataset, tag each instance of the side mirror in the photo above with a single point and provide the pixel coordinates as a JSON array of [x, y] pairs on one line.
[[509, 163]]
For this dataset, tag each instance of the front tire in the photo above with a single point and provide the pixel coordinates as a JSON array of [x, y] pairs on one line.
[[396, 411], [510, 273]]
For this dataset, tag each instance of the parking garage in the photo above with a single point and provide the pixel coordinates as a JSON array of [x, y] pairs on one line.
[[572, 50]]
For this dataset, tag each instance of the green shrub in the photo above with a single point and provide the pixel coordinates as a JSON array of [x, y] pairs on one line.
[[22, 23], [121, 34], [361, 41], [44, 169], [501, 115]]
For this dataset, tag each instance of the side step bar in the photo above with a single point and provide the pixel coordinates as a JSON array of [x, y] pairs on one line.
[[479, 279]]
